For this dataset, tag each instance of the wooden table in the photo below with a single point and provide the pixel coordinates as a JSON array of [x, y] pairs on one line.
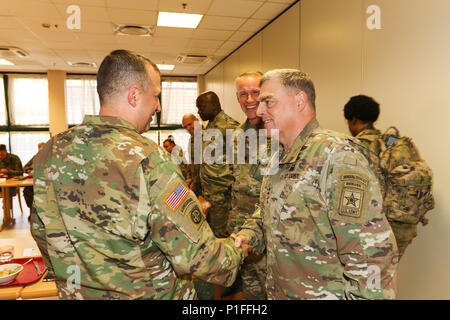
[[7, 198], [37, 290]]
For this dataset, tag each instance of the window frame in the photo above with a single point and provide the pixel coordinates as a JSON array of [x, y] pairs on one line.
[[8, 128]]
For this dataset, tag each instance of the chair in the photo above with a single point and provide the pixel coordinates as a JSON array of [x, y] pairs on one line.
[[15, 192]]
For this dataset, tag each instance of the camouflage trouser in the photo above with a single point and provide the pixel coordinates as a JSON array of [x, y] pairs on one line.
[[253, 273], [404, 234], [218, 214], [28, 195]]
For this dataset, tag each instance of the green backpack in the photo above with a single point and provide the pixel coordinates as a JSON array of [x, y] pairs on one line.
[[408, 183]]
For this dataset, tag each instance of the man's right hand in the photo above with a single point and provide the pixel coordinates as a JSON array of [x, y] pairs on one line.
[[242, 242]]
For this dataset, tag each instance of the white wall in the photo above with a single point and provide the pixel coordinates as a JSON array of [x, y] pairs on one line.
[[404, 66], [277, 45]]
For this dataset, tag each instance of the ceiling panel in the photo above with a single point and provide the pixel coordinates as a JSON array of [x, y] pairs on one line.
[[267, 10], [234, 8], [253, 25], [132, 16], [220, 23], [34, 9], [211, 34], [134, 4], [225, 26], [192, 6]]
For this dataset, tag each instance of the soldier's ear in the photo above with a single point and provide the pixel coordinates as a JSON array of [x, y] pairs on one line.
[[132, 95], [300, 98]]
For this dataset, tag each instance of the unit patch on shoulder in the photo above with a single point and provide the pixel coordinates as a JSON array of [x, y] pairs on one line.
[[350, 202], [176, 196], [196, 217]]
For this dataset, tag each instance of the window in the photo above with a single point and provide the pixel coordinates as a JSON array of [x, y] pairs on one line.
[[81, 98], [25, 144], [177, 98], [28, 99], [2, 103], [24, 116]]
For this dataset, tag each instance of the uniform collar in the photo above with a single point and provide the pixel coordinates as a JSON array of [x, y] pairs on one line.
[[109, 121], [369, 129], [247, 125], [292, 154], [221, 115]]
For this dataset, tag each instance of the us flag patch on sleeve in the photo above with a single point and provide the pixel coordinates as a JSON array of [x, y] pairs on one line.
[[176, 196]]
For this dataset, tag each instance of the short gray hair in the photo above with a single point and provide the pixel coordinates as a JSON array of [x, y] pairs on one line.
[[295, 79]]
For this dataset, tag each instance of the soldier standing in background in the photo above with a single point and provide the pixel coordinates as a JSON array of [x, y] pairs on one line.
[[247, 186], [320, 216], [112, 215], [216, 179], [405, 178], [193, 175]]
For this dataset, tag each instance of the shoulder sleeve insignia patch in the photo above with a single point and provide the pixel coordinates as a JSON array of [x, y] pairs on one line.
[[351, 197], [176, 196]]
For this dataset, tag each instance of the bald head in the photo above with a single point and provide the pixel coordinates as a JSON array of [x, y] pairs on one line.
[[208, 105], [188, 123]]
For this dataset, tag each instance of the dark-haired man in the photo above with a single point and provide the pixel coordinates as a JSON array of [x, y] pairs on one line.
[[216, 178], [10, 164], [112, 215]]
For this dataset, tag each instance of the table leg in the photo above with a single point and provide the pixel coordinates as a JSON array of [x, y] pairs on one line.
[[7, 205]]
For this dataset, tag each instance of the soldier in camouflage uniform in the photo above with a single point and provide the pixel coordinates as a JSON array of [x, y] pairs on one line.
[[193, 172], [361, 112], [112, 215], [10, 164], [246, 186], [216, 178], [320, 215]]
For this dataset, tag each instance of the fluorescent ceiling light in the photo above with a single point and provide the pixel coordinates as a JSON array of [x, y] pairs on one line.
[[165, 66], [178, 20], [5, 62]]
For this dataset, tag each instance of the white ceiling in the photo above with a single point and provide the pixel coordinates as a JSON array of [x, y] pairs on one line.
[[226, 25]]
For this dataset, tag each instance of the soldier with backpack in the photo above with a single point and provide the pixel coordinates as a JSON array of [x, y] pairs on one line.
[[405, 177]]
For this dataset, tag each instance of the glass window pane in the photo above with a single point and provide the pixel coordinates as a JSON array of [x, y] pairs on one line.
[[25, 144], [4, 139], [177, 99], [2, 103], [81, 98], [28, 96]]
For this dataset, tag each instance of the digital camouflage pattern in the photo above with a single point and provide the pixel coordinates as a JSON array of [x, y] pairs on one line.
[[216, 179], [245, 192], [13, 164], [320, 219], [193, 171], [407, 182], [103, 205]]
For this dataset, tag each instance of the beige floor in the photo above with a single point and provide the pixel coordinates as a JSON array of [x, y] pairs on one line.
[[22, 227]]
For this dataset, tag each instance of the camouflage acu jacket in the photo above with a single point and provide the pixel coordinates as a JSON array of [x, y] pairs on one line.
[[246, 186], [321, 220], [13, 164], [217, 177], [114, 220]]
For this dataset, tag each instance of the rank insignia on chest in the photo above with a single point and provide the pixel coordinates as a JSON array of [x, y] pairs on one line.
[[176, 196]]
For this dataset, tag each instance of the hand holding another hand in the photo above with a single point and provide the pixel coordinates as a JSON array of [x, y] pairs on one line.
[[242, 242]]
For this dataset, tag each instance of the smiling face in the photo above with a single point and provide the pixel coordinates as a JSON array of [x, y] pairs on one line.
[[247, 93], [277, 108]]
